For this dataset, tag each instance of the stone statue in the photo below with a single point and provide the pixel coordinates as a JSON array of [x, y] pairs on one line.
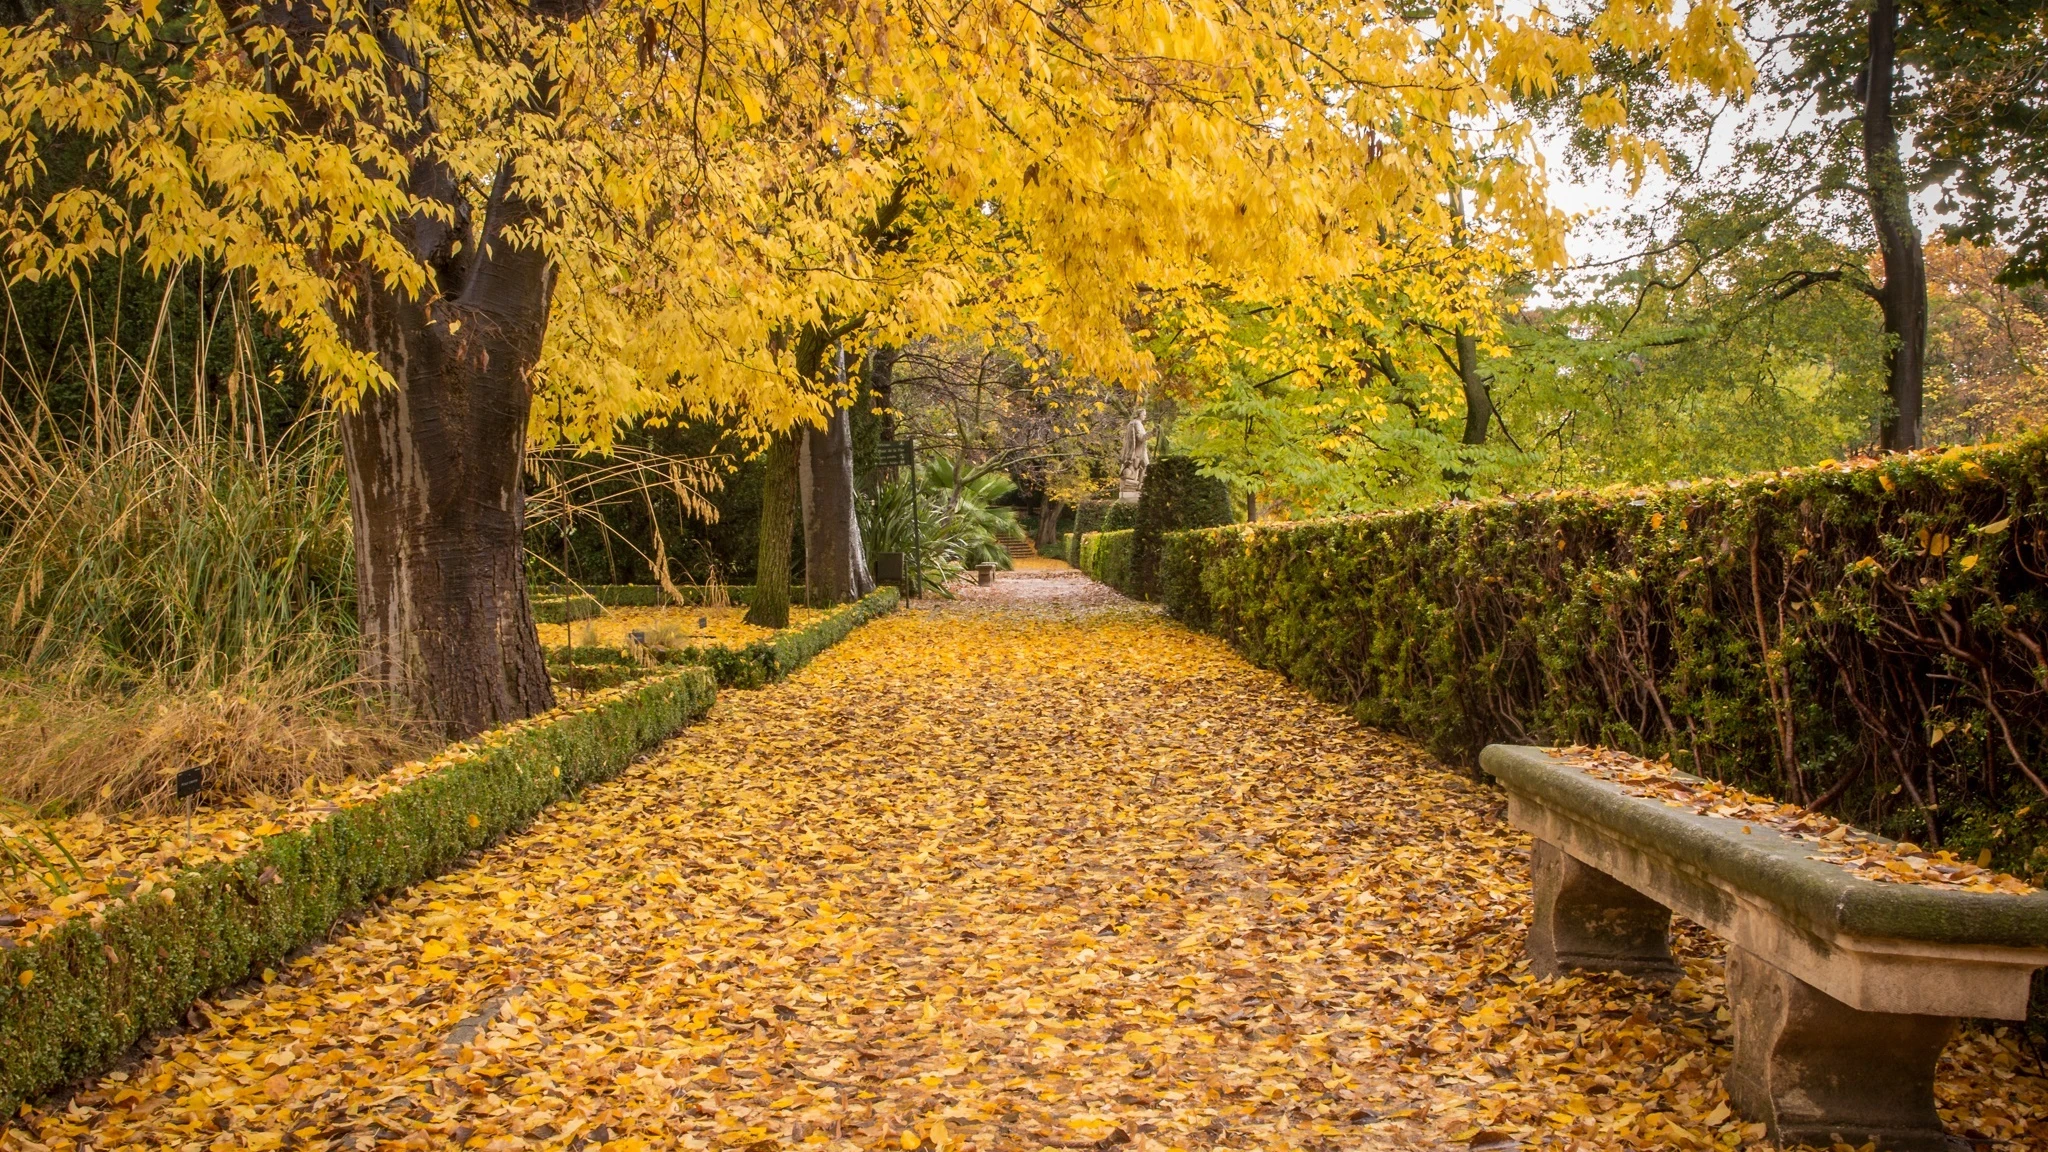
[[1136, 457]]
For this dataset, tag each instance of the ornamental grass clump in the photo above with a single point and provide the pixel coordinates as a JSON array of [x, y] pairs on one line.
[[175, 593]]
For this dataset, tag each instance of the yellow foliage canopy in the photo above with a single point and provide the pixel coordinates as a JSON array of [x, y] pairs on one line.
[[722, 176]]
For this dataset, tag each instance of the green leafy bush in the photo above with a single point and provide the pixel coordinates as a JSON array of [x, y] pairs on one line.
[[1099, 516], [1176, 496], [1870, 638], [1106, 557], [72, 1001]]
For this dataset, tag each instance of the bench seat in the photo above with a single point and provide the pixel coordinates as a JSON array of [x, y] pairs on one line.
[[1842, 989]]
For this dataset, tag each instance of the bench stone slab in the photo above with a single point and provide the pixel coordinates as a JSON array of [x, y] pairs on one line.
[[1842, 989], [1875, 946]]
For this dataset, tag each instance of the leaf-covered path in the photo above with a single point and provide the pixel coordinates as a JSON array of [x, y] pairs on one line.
[[1040, 870]]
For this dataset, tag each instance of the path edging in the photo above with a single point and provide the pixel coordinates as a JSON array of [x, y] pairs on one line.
[[73, 1001], [747, 665]]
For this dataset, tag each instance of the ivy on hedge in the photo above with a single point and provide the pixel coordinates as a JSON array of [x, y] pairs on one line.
[[1868, 637], [74, 1000], [747, 666]]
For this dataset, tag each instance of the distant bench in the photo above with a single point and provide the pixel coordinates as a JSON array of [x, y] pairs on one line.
[[1843, 990]]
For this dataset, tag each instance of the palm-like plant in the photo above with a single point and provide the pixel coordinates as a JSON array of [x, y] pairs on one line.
[[971, 500], [956, 523]]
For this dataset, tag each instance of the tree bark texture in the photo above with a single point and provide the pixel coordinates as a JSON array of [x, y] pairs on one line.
[[835, 568], [1478, 402], [1049, 524], [435, 463], [880, 367], [1904, 294], [769, 607]]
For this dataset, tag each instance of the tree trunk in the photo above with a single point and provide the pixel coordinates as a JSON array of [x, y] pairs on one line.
[[436, 485], [435, 462], [880, 367], [1478, 402], [1049, 524], [1904, 295], [835, 569], [769, 607]]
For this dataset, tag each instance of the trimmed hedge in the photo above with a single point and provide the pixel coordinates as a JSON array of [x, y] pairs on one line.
[[1099, 516], [749, 666], [1176, 496], [1106, 557], [74, 1000], [641, 595], [566, 609], [1868, 637]]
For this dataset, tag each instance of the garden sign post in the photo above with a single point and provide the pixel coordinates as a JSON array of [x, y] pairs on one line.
[[903, 454]]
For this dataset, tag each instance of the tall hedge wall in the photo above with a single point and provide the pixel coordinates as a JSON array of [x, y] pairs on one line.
[[73, 1001], [1868, 637], [1099, 516], [1176, 496]]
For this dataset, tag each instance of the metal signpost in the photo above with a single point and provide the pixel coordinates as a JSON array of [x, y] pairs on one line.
[[903, 454]]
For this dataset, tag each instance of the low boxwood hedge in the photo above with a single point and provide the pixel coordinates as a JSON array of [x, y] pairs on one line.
[[1869, 637], [638, 595], [74, 1000], [745, 666]]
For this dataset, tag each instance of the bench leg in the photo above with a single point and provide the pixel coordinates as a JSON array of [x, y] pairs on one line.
[[1816, 1071], [1588, 919]]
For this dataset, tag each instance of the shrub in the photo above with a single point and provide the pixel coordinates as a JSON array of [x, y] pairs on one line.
[[1106, 557], [1870, 637], [1176, 496], [72, 1001], [1099, 516]]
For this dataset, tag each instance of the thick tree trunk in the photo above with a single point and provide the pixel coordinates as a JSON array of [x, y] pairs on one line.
[[435, 462], [835, 568], [436, 482], [770, 605], [1478, 402], [1904, 295]]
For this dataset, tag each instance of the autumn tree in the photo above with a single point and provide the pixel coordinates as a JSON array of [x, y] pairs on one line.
[[494, 224]]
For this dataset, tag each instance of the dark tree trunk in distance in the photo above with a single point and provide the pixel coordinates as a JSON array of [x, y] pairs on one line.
[[880, 366], [770, 605], [1904, 294], [1049, 524]]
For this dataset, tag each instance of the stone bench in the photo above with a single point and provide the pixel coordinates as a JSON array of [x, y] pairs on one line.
[[1842, 989]]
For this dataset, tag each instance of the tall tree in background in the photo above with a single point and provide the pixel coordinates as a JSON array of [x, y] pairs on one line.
[[1903, 295]]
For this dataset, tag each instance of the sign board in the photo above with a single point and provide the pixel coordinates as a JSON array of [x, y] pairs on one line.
[[189, 781], [889, 568], [894, 453]]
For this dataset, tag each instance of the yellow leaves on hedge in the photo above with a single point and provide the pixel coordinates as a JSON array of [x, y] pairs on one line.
[[990, 876]]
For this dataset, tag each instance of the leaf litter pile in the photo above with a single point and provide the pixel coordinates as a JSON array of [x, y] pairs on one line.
[[1862, 854], [1040, 873]]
